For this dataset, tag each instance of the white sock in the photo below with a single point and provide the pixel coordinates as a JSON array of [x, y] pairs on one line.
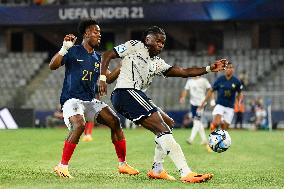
[[194, 130], [158, 159], [173, 149], [202, 131], [121, 163], [63, 166]]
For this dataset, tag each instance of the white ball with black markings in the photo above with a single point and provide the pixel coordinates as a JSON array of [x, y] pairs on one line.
[[219, 141]]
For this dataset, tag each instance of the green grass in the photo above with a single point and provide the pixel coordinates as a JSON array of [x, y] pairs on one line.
[[27, 156]]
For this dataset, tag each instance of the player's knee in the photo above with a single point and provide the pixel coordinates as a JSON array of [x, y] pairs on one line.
[[78, 122], [171, 123], [114, 122]]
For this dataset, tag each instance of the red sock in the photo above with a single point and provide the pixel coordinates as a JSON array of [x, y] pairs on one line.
[[89, 128], [120, 148], [68, 150]]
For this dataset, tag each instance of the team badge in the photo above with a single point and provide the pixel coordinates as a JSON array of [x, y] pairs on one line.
[[233, 85], [97, 66]]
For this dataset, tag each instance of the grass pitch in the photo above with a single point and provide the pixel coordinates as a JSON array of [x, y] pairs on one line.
[[27, 156]]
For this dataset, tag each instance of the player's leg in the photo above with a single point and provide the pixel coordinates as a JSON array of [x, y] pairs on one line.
[[88, 131], [73, 113], [227, 118], [108, 117], [170, 147], [195, 127], [217, 113], [202, 132]]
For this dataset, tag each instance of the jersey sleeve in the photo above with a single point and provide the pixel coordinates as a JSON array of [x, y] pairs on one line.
[[127, 48], [207, 84], [187, 85], [162, 67]]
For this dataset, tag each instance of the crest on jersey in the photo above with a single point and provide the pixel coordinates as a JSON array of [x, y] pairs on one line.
[[233, 85]]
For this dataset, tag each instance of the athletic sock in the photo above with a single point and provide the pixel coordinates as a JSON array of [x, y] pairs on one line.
[[173, 149], [158, 159], [88, 128], [120, 148], [194, 130], [202, 132], [67, 152]]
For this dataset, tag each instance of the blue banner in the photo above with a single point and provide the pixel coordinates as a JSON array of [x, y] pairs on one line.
[[158, 12]]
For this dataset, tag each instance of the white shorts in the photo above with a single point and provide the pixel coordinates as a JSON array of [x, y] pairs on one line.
[[226, 113], [88, 109]]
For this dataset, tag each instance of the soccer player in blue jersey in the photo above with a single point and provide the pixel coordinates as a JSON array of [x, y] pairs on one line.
[[140, 64], [226, 87], [82, 70]]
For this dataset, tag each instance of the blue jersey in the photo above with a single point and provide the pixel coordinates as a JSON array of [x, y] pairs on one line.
[[226, 90], [82, 71]]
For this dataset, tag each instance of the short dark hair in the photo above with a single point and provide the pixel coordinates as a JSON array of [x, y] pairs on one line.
[[152, 30], [84, 24]]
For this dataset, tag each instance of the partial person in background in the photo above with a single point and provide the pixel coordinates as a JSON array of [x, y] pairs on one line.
[[260, 115], [239, 109], [56, 119], [82, 71], [197, 87], [227, 86]]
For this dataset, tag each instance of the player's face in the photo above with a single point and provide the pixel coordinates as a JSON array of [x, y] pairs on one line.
[[155, 43], [229, 70], [93, 35]]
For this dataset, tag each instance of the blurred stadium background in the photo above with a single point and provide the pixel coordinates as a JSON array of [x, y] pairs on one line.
[[250, 33]]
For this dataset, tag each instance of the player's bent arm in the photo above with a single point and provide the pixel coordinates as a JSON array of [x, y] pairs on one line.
[[106, 58], [182, 96], [209, 94], [113, 75], [55, 61]]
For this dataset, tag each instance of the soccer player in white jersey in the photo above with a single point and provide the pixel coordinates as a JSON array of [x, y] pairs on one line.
[[197, 88], [140, 65]]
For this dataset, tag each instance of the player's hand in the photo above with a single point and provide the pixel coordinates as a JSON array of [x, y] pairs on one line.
[[102, 88], [181, 100], [212, 102], [68, 42], [219, 65], [199, 111]]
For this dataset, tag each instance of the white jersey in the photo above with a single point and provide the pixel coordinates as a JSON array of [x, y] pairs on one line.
[[197, 88], [138, 69]]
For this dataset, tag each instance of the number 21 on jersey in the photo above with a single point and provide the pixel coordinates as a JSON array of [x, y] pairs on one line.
[[87, 75]]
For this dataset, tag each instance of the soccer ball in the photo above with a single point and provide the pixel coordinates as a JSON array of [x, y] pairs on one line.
[[219, 141]]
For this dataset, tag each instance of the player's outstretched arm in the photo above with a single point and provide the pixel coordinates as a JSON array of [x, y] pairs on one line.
[[68, 42], [106, 58], [113, 75], [176, 71]]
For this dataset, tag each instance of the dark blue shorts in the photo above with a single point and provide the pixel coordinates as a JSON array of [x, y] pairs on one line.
[[194, 112], [132, 104]]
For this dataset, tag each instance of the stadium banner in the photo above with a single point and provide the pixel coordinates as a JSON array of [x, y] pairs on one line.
[[155, 12]]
